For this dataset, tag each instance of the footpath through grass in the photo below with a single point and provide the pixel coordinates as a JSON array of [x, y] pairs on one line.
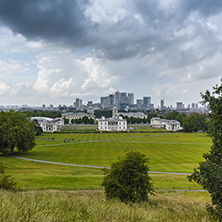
[[168, 152]]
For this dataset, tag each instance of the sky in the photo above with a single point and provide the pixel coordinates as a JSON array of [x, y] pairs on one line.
[[54, 51]]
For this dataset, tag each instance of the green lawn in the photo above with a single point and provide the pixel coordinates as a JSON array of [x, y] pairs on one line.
[[169, 152]]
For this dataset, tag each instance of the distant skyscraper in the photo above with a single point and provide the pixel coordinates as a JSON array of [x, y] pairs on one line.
[[102, 100], [179, 105], [117, 98], [161, 104], [146, 102], [123, 98], [151, 106], [90, 103], [131, 98], [107, 102], [78, 103], [139, 103], [196, 105]]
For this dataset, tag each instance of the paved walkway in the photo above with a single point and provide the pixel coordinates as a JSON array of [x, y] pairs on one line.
[[79, 165]]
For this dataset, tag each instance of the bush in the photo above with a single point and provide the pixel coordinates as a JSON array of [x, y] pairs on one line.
[[128, 179], [7, 182]]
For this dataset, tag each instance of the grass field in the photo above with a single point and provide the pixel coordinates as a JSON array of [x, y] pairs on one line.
[[168, 152], [59, 206]]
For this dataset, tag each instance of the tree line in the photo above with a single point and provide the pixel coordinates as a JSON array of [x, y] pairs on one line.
[[193, 123]]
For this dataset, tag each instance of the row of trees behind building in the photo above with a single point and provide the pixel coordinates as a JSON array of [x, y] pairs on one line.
[[192, 123]]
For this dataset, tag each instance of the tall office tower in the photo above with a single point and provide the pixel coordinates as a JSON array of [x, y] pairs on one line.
[[111, 99], [146, 102], [161, 104], [51, 107], [131, 98], [139, 103], [179, 105], [90, 103], [117, 97], [151, 106], [196, 105], [123, 98], [102, 101], [193, 105], [78, 103]]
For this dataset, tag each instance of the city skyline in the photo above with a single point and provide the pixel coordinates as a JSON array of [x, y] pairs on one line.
[[55, 51], [145, 100]]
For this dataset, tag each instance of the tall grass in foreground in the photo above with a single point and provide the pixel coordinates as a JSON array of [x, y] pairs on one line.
[[92, 206]]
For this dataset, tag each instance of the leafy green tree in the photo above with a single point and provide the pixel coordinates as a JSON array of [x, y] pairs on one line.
[[38, 128], [173, 115], [105, 113], [128, 179], [6, 181], [195, 122], [176, 116], [180, 118], [66, 121], [85, 120], [209, 172], [50, 114], [16, 131]]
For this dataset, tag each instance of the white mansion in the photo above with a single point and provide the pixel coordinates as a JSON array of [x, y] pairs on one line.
[[49, 124], [116, 123], [172, 125]]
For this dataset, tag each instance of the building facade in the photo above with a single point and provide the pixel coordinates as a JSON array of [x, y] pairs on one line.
[[49, 124], [171, 125], [116, 123]]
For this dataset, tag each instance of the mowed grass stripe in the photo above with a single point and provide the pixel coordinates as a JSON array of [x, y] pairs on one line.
[[165, 156], [168, 152]]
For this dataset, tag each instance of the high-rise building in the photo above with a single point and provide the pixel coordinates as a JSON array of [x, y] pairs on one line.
[[123, 98], [131, 98], [102, 101], [179, 105], [78, 103], [151, 106], [139, 103], [146, 102], [117, 98], [161, 104], [90, 103], [107, 102]]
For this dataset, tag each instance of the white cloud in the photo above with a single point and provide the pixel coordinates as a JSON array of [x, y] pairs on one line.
[[63, 87], [14, 43], [63, 73], [4, 89], [12, 66], [102, 11]]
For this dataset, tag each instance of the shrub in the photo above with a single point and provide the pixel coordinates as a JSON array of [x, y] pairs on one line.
[[128, 179]]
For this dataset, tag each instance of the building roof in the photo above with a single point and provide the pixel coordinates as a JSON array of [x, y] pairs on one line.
[[166, 120], [112, 120], [46, 119]]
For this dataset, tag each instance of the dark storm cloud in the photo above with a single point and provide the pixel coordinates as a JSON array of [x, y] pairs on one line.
[[45, 19], [66, 21], [206, 7]]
